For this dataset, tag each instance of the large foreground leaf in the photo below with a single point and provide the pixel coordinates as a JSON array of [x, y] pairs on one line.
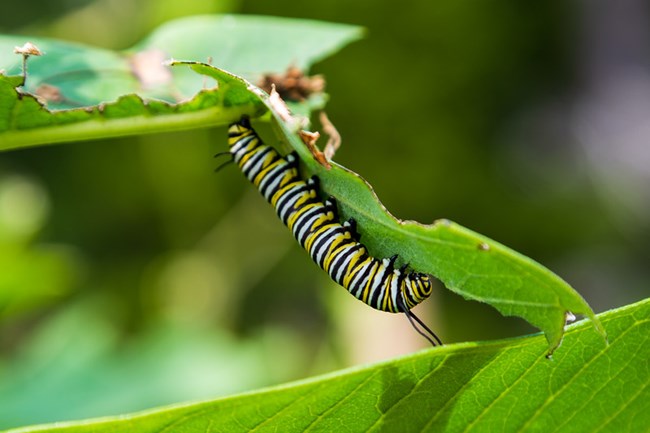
[[505, 386]]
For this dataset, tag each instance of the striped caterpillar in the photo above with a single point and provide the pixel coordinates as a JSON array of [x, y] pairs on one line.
[[335, 247]]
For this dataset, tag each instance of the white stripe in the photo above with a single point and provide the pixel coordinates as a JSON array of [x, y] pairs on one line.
[[288, 207], [241, 146], [272, 188], [394, 288], [256, 170], [273, 174], [325, 248], [379, 276], [341, 250], [345, 264], [261, 153], [309, 224], [355, 284]]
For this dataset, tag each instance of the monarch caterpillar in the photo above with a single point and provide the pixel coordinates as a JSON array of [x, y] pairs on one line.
[[335, 247]]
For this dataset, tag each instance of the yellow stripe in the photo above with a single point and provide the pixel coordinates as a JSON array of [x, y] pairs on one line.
[[266, 168], [349, 266], [290, 176], [284, 187], [385, 291], [320, 220], [311, 238], [356, 267], [300, 211], [339, 243], [249, 155], [305, 196], [243, 133], [371, 279]]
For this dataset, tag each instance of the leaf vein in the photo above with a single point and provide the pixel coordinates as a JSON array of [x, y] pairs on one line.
[[505, 390], [566, 384], [415, 385], [338, 403], [453, 397]]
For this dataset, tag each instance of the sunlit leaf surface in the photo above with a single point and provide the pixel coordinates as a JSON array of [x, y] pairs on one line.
[[507, 386]]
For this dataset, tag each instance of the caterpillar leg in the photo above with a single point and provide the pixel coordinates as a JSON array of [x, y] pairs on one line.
[[292, 159], [330, 205], [391, 263], [351, 225], [314, 183]]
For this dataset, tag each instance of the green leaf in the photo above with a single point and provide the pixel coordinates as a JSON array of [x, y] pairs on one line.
[[249, 45], [84, 75], [105, 95], [25, 122], [468, 263], [505, 386]]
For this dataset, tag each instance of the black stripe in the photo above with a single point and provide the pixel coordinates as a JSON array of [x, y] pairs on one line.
[[271, 175], [303, 220], [348, 249], [286, 197], [409, 294], [320, 239], [322, 242], [382, 286], [243, 143], [364, 277], [400, 292], [233, 134]]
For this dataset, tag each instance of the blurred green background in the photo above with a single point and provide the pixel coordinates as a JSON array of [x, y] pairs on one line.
[[132, 276]]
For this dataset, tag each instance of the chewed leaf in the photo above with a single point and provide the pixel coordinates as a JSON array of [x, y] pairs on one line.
[[24, 121], [77, 92], [504, 386], [469, 264], [247, 45]]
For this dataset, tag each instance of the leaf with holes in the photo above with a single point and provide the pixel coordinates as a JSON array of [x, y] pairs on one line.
[[96, 93]]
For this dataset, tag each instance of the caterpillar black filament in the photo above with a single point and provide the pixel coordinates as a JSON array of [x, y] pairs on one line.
[[335, 247]]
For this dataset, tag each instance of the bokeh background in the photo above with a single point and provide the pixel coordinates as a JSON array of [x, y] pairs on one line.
[[138, 277]]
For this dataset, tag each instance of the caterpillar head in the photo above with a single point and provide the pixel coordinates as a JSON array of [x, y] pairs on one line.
[[238, 130], [416, 289]]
